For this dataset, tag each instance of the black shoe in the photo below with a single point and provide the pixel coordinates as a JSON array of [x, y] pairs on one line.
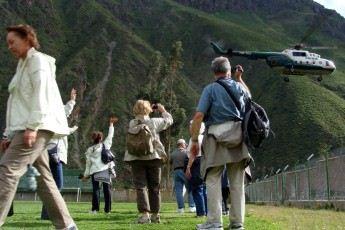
[[10, 212]]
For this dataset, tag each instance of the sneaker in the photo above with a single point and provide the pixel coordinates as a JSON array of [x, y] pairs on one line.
[[209, 226], [225, 213], [180, 210], [192, 209], [155, 218], [144, 219], [236, 226], [72, 226], [93, 212]]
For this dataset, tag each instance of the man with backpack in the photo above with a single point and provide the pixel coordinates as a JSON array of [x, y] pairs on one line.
[[223, 142]]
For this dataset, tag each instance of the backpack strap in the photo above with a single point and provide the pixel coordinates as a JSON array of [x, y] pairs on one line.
[[236, 102]]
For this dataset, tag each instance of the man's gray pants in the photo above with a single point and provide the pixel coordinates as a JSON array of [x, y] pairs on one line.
[[214, 193]]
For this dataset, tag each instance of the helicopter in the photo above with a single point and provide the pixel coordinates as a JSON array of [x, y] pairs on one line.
[[292, 61]]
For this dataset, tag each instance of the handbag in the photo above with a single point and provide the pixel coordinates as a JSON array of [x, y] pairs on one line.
[[53, 154], [106, 155], [228, 133]]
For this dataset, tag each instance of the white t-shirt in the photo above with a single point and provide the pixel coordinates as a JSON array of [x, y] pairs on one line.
[[200, 138]]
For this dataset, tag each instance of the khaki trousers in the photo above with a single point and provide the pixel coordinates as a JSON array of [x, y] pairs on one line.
[[147, 179], [214, 193], [13, 165]]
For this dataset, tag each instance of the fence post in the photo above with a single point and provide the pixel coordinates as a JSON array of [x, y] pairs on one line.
[[276, 190], [309, 189], [284, 192], [327, 177], [282, 198], [296, 184], [308, 167]]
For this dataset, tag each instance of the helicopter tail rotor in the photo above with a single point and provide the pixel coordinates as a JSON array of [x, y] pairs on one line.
[[218, 50]]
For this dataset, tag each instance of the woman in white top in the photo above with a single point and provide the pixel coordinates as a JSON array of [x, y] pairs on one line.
[[34, 115], [95, 165], [57, 150], [146, 169]]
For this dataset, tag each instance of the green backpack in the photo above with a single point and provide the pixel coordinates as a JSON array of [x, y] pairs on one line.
[[139, 140]]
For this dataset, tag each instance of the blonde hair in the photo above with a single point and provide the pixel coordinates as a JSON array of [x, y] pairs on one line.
[[142, 107]]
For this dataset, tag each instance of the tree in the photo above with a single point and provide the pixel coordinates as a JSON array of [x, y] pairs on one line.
[[162, 75]]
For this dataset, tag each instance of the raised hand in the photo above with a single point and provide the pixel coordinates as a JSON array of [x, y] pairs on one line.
[[113, 119], [73, 94]]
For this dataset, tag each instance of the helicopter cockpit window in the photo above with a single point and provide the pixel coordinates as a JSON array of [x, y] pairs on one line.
[[327, 63], [299, 54]]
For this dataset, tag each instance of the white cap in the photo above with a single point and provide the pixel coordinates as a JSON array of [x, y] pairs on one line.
[[181, 141]]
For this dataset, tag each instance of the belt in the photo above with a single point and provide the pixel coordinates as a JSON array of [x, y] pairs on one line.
[[178, 168]]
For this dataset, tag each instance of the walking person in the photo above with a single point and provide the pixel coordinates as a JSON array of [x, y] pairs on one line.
[[177, 160], [35, 113], [221, 116], [195, 179], [146, 157], [57, 151], [96, 168]]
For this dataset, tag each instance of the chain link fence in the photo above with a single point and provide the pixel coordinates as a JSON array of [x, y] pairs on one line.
[[322, 180]]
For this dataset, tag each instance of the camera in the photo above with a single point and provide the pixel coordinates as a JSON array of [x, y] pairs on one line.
[[154, 106], [234, 69]]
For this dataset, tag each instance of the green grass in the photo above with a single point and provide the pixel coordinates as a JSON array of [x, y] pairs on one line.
[[124, 215]]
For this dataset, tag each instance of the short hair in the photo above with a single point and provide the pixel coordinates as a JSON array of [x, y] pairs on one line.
[[25, 32], [181, 142], [220, 65], [142, 107], [97, 137]]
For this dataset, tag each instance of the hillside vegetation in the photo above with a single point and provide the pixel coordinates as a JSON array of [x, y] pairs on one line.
[[104, 48]]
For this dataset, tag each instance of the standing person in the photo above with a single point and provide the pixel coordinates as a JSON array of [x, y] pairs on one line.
[[147, 165], [95, 165], [35, 113], [219, 112], [177, 159], [57, 151], [196, 181]]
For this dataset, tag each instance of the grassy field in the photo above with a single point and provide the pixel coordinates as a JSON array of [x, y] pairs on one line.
[[124, 215]]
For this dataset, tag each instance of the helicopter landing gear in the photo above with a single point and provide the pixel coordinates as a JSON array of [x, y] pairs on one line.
[[319, 78], [286, 79]]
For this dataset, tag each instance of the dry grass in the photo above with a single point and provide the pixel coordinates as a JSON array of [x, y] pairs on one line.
[[295, 218]]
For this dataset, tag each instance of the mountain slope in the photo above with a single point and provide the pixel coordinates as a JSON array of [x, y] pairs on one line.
[[104, 48]]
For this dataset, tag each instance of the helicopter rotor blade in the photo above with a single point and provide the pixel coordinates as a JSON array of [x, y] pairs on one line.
[[322, 47], [316, 25]]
